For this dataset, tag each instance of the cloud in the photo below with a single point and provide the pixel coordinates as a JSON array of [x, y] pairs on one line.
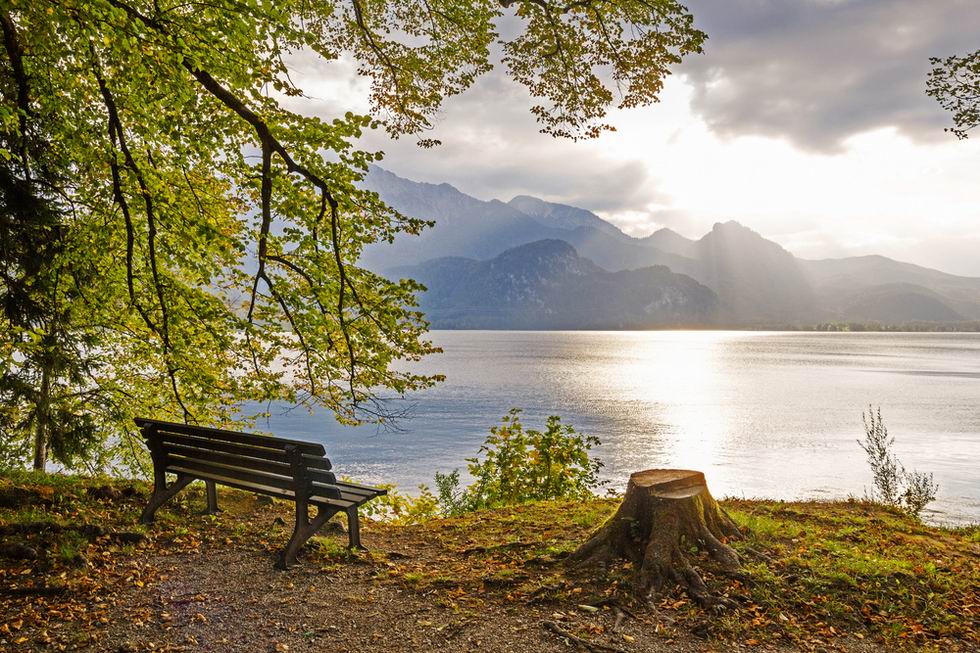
[[491, 148], [806, 120], [819, 71]]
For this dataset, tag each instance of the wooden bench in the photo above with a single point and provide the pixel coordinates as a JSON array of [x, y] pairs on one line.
[[288, 469]]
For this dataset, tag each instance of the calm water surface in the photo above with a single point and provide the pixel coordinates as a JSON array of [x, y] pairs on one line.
[[762, 414]]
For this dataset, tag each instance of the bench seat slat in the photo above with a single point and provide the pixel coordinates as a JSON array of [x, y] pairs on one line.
[[264, 453], [348, 499], [246, 463], [248, 475], [352, 489], [311, 448], [344, 501], [373, 491]]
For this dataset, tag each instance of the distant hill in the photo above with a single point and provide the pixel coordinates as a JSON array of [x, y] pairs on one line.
[[547, 285], [466, 226], [842, 282], [754, 281]]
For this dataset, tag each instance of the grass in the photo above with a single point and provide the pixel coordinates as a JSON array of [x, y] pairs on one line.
[[812, 572], [834, 569], [859, 567]]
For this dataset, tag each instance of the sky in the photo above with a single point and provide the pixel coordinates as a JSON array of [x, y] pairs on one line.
[[806, 120]]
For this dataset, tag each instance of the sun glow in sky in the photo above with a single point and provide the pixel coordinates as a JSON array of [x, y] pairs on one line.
[[806, 120]]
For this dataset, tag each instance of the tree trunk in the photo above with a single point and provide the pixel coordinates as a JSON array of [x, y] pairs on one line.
[[664, 514], [42, 420]]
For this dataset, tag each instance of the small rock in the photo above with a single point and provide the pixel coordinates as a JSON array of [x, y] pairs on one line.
[[263, 500], [333, 527], [17, 551], [702, 630], [127, 537], [103, 492], [79, 561]]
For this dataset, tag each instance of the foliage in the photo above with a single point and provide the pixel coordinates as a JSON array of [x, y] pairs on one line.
[[46, 353], [221, 230], [955, 83], [397, 508], [521, 465], [452, 499], [893, 485]]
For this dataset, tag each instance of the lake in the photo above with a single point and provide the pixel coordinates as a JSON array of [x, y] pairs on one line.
[[763, 414]]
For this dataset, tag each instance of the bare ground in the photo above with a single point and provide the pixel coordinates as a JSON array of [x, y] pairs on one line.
[[228, 597], [487, 581]]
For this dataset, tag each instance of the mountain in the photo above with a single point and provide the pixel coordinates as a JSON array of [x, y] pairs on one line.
[[547, 285], [842, 283], [898, 303], [563, 216], [468, 227], [756, 282], [668, 240], [465, 226], [759, 281]]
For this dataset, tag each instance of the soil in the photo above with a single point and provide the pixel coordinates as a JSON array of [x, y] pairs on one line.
[[495, 580], [228, 597]]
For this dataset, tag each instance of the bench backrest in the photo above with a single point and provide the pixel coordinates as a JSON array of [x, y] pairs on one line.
[[246, 460]]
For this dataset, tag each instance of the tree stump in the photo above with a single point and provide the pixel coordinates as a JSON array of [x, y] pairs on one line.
[[665, 513]]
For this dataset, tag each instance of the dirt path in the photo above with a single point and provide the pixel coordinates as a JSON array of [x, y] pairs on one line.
[[229, 599]]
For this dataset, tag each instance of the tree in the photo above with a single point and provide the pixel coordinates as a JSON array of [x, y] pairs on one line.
[[223, 229], [955, 83], [46, 355]]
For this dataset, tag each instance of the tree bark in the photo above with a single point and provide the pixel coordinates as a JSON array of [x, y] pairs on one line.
[[42, 419], [665, 515]]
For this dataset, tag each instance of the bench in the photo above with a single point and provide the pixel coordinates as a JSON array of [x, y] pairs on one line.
[[287, 469]]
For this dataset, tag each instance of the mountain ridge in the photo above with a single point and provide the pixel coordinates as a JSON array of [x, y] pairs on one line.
[[545, 284], [755, 281]]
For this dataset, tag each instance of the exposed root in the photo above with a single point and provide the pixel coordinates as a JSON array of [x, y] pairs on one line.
[[665, 514], [588, 645]]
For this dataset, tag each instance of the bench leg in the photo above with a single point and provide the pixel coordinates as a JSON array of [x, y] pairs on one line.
[[305, 529], [161, 496], [212, 498], [354, 530]]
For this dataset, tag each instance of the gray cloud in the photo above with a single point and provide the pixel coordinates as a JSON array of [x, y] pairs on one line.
[[809, 72], [491, 148], [819, 71]]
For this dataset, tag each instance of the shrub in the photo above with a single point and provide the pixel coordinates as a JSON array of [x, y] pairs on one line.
[[402, 509], [892, 484], [520, 465], [452, 500]]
